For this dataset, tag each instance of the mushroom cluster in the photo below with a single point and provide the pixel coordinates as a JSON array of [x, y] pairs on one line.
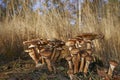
[[81, 48], [79, 58], [44, 51]]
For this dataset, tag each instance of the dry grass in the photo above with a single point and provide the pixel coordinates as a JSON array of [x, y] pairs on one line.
[[32, 25]]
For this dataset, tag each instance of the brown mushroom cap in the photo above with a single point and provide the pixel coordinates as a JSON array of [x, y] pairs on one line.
[[79, 37], [68, 58], [31, 46], [75, 51], [113, 62], [88, 36], [84, 55], [42, 49], [70, 43], [44, 42], [89, 58], [46, 53], [88, 41]]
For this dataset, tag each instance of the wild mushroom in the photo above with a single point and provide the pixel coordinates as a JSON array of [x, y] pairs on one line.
[[70, 43], [32, 52], [79, 43], [70, 73], [57, 48], [75, 59], [112, 66], [83, 55], [88, 61], [90, 36], [89, 44], [69, 60], [33, 41], [46, 55]]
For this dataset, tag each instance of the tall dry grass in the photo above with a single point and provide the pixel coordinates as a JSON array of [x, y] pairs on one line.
[[51, 24]]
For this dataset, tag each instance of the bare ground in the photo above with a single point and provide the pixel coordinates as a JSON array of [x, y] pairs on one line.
[[25, 70]]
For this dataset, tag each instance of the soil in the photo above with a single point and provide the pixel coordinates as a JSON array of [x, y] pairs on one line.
[[21, 69]]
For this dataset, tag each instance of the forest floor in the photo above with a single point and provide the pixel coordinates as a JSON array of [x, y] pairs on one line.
[[24, 69]]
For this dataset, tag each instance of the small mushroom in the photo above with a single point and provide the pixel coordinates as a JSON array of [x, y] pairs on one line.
[[75, 59], [70, 73], [53, 54], [56, 46], [89, 47], [88, 61], [79, 37], [89, 51], [79, 43], [101, 71], [46, 55], [112, 66], [32, 52], [70, 43], [33, 41], [69, 60], [89, 44], [83, 55], [90, 36]]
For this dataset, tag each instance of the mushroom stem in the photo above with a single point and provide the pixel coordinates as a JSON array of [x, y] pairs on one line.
[[86, 67], [75, 63], [70, 64], [69, 60], [70, 73], [77, 44], [78, 57], [49, 65], [70, 48], [82, 64], [34, 56], [113, 64], [89, 51], [88, 45], [57, 55], [110, 71], [53, 54], [43, 60], [88, 61]]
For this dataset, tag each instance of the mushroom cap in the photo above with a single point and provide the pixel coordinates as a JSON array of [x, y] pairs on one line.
[[84, 55], [33, 41], [113, 62], [43, 42], [42, 49], [72, 39], [68, 58], [79, 37], [46, 53], [89, 58], [88, 41], [75, 51], [88, 36], [70, 43], [89, 51], [31, 46]]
